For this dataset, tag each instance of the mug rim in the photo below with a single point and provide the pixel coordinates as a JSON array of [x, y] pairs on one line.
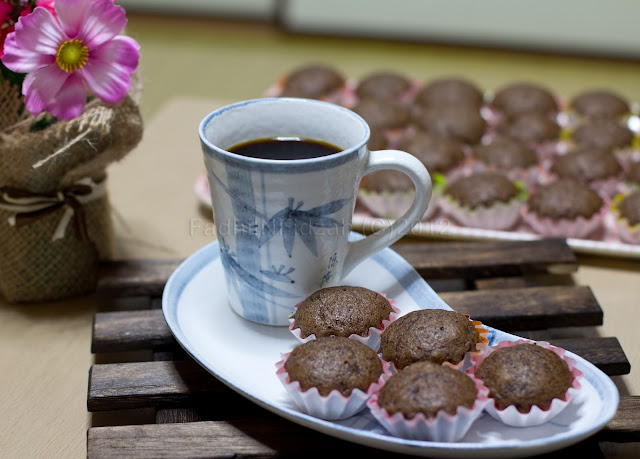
[[265, 161]]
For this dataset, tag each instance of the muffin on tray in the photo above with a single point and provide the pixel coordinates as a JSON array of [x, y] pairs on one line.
[[536, 130], [384, 116], [386, 85], [347, 311], [626, 212], [524, 97], [455, 122], [389, 194], [450, 91], [603, 133], [599, 103], [632, 177], [564, 208], [486, 200], [427, 401], [314, 81], [507, 156], [595, 167], [331, 377], [529, 383], [436, 335]]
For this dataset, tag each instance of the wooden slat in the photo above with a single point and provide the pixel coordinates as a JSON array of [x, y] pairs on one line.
[[529, 308], [165, 383], [625, 425], [134, 277], [146, 384], [505, 309], [488, 258], [130, 330], [266, 435]]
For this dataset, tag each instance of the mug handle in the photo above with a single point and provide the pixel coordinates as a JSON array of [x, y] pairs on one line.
[[404, 162]]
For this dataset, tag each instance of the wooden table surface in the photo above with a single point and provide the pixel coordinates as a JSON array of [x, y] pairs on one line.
[[45, 348]]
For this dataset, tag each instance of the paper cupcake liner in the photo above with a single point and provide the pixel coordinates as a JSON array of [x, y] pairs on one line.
[[372, 339], [536, 416], [333, 406], [499, 216], [444, 427], [580, 228]]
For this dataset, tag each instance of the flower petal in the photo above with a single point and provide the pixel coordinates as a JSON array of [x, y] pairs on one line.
[[39, 32], [104, 20], [109, 82], [70, 100], [21, 60], [71, 14], [121, 50], [41, 86]]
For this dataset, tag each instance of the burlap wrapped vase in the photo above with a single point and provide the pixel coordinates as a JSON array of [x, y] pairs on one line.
[[55, 218]]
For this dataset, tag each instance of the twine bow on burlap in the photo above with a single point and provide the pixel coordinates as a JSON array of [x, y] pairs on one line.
[[28, 206]]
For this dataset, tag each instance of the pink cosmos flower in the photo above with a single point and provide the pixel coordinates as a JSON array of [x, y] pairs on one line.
[[80, 51]]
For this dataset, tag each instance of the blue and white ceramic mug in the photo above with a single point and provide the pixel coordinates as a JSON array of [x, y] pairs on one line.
[[283, 225]]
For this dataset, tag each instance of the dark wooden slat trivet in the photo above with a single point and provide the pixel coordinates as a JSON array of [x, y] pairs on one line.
[[506, 309], [514, 286]]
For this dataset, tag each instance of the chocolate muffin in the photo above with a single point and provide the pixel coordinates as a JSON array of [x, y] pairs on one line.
[[455, 122], [313, 82], [377, 140], [482, 189], [587, 165], [599, 103], [633, 175], [629, 208], [524, 97], [531, 128], [427, 388], [335, 363], [565, 199], [450, 91], [525, 375], [383, 114], [603, 133], [385, 85], [341, 311], [506, 154], [438, 154], [436, 335]]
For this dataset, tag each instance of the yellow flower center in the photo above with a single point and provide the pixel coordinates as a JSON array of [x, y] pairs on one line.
[[72, 55]]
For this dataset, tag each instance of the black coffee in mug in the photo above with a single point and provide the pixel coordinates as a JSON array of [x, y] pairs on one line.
[[284, 148]]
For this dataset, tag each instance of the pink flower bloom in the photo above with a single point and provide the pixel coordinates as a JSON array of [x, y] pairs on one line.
[[80, 51]]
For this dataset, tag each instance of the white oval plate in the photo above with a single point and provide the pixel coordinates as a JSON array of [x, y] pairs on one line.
[[243, 354]]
